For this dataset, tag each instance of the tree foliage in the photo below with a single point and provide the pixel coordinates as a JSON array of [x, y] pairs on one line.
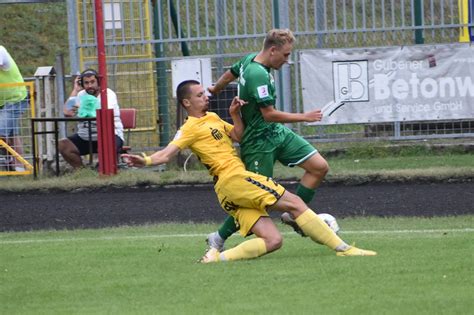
[[34, 34]]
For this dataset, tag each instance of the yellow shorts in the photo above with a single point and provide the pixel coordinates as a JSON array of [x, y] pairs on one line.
[[246, 196]]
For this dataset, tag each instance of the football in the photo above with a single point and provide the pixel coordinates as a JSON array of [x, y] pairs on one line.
[[330, 221]]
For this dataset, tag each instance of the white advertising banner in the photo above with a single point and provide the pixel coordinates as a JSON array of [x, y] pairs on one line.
[[409, 83]]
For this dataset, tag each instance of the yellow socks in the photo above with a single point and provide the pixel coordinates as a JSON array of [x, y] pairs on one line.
[[249, 249], [314, 227]]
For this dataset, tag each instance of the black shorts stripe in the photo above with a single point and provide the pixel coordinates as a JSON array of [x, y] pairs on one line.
[[262, 186]]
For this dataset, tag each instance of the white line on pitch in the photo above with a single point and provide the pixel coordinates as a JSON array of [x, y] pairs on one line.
[[468, 230], [158, 236]]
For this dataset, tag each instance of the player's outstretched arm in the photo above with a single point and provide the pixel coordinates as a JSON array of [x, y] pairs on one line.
[[271, 114], [159, 157], [221, 83]]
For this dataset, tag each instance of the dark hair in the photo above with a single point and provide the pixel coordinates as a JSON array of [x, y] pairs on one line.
[[183, 90], [88, 73]]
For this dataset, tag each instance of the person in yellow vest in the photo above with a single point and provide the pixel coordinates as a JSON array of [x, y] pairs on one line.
[[13, 103]]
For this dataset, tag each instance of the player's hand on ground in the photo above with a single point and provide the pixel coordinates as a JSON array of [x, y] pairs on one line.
[[315, 115], [133, 160], [236, 104]]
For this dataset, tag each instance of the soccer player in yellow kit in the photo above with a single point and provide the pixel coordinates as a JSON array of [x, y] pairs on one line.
[[266, 139], [244, 195]]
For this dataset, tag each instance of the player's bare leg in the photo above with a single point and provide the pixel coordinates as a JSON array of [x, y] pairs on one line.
[[268, 239], [313, 226], [316, 168]]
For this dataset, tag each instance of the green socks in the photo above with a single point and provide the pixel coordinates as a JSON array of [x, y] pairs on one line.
[[305, 193], [227, 228]]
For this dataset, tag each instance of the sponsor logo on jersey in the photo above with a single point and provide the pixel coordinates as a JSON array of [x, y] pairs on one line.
[[263, 91], [216, 134], [229, 205]]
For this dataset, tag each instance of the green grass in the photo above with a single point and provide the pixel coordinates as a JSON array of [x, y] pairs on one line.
[[404, 163], [364, 167], [400, 168], [40, 33], [424, 266]]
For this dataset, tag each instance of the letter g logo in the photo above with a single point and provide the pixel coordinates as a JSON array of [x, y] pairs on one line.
[[351, 81]]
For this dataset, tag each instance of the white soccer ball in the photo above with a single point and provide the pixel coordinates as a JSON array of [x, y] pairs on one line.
[[330, 221]]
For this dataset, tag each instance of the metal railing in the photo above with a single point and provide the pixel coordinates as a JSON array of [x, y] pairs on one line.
[[224, 30]]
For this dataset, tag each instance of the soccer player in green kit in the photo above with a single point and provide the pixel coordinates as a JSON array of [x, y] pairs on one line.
[[244, 195], [266, 140]]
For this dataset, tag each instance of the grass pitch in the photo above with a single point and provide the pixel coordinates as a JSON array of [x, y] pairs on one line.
[[424, 266]]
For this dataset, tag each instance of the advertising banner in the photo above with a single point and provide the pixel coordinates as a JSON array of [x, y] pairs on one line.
[[387, 84]]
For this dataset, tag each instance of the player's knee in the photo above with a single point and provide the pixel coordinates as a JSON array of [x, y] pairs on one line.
[[322, 168], [316, 166], [274, 243], [295, 203]]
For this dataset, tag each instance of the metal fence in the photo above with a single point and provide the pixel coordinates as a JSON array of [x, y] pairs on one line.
[[143, 37], [16, 148]]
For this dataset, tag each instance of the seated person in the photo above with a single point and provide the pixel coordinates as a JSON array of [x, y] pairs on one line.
[[83, 101]]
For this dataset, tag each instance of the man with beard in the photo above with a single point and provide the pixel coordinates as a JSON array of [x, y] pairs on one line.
[[83, 102]]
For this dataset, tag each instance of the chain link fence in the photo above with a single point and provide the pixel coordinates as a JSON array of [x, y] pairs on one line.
[[144, 37], [15, 140]]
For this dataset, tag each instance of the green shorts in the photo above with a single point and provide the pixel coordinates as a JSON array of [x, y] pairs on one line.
[[287, 147]]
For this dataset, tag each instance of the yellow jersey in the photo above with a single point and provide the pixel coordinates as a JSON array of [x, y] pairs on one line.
[[209, 138]]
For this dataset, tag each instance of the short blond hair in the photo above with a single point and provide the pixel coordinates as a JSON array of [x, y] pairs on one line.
[[278, 37]]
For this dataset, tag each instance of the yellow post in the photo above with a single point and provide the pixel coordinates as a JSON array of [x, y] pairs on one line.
[[463, 19], [133, 82]]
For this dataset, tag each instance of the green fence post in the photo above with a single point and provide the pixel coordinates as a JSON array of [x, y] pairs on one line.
[[161, 81], [419, 22]]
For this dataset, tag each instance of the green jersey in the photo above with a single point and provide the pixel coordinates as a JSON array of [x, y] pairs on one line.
[[264, 142], [256, 86]]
